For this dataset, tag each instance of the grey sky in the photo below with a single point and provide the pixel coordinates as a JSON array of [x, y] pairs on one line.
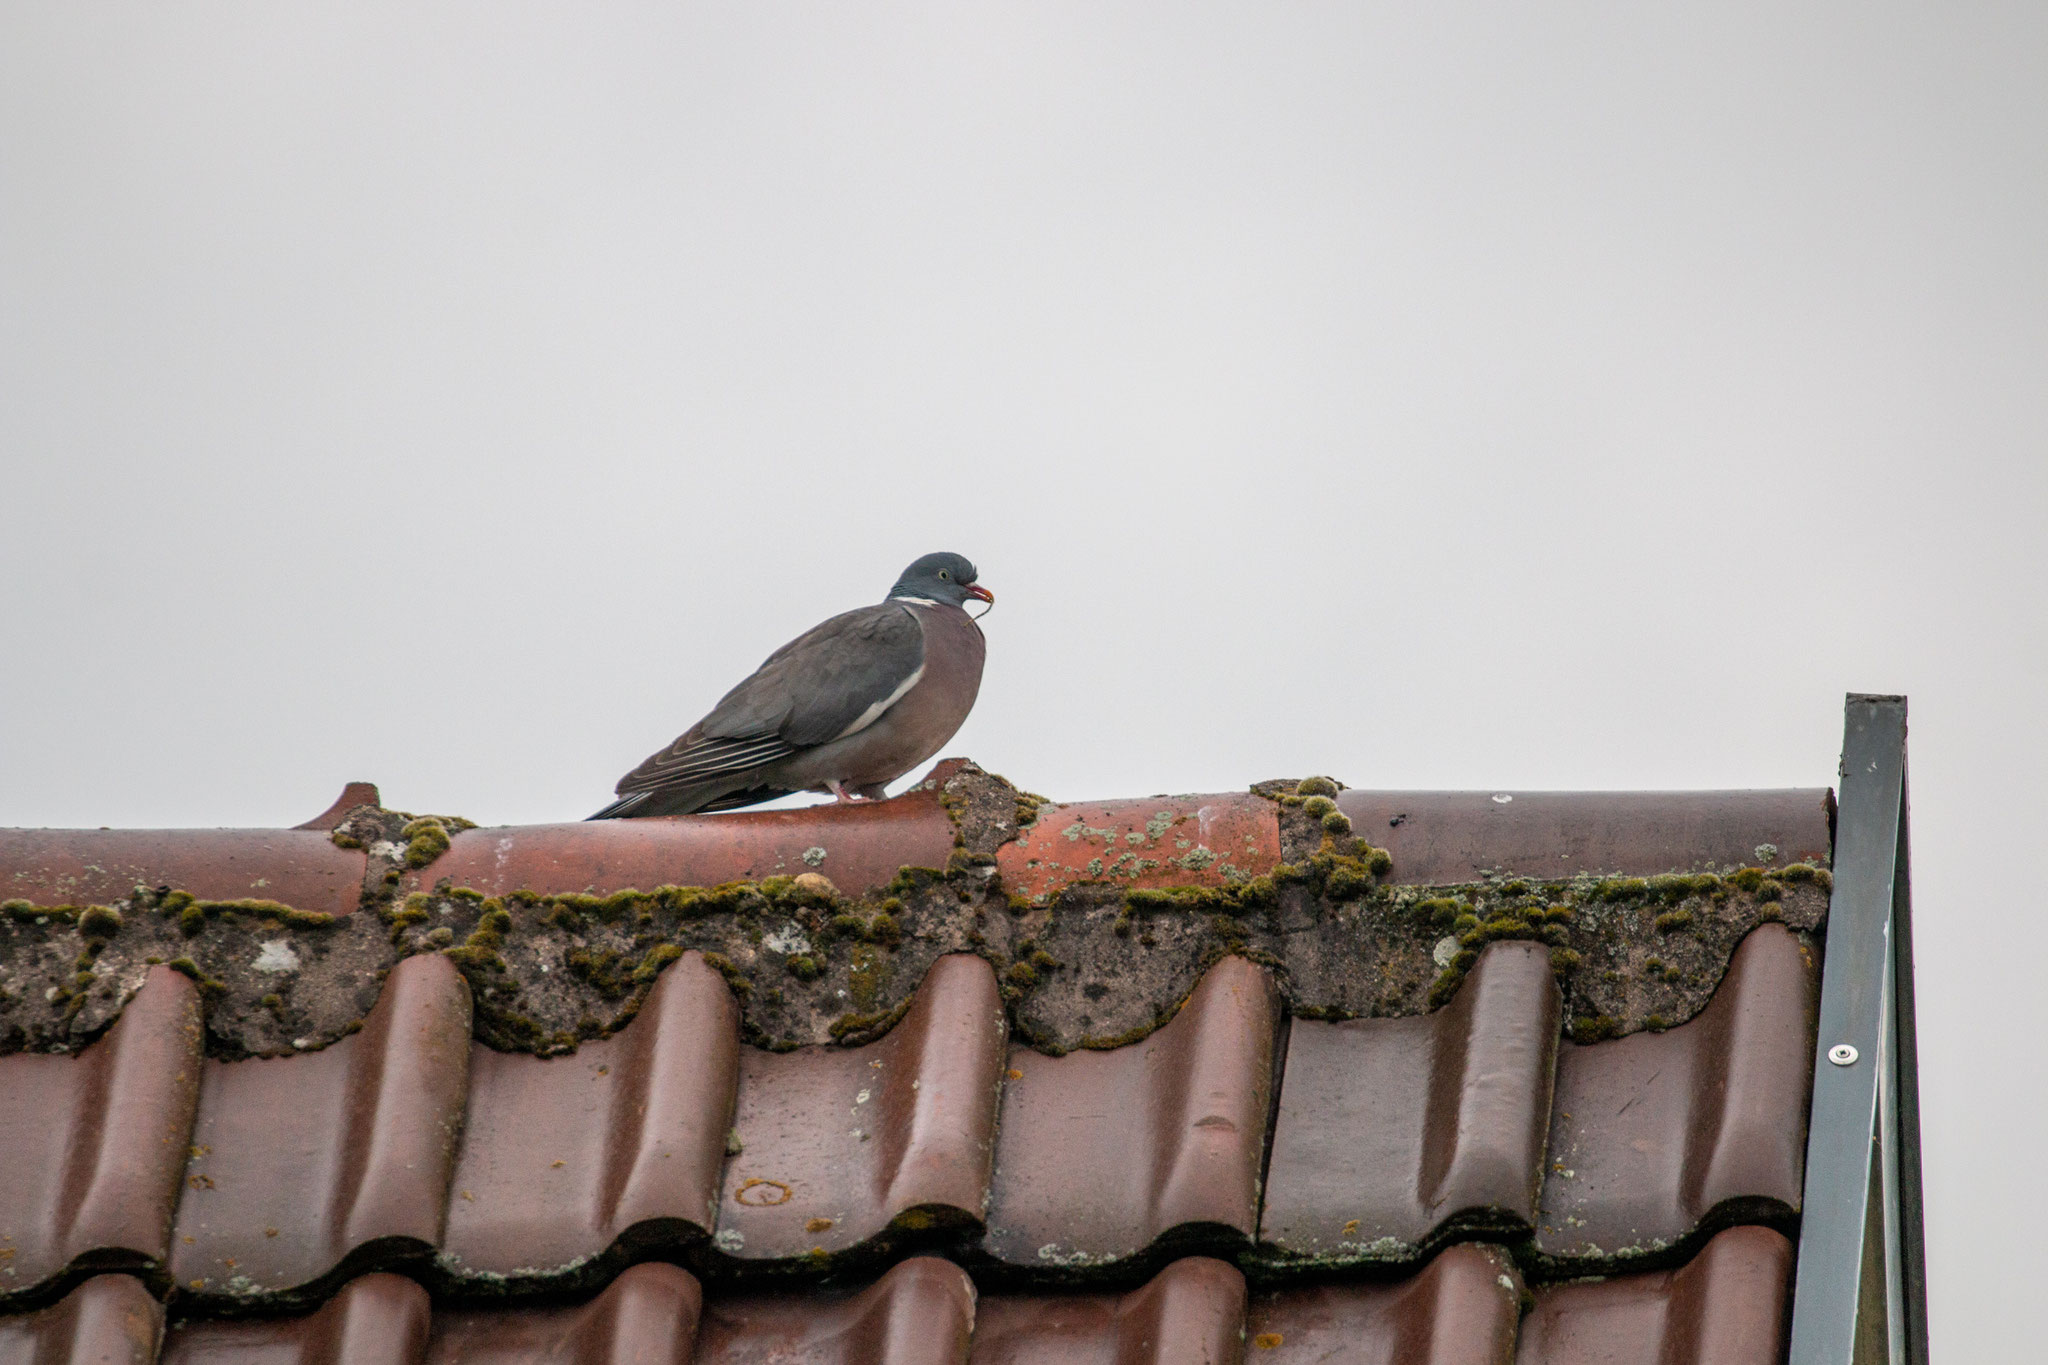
[[463, 399]]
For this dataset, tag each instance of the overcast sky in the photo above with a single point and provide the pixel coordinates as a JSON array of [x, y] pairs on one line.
[[462, 397]]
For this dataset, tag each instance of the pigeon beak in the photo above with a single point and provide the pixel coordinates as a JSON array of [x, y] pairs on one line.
[[976, 590]]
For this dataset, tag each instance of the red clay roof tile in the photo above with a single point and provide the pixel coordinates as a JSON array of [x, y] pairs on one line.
[[561, 1156], [920, 1312], [835, 1144], [1102, 1152], [300, 868], [1460, 1309], [1158, 841], [298, 1162], [1652, 1132], [647, 1316], [108, 1320], [1443, 837], [856, 846], [375, 1318], [1725, 1307], [1190, 1313], [96, 1143], [1389, 1129]]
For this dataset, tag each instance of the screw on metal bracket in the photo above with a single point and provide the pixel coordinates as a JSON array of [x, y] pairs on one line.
[[1841, 1054]]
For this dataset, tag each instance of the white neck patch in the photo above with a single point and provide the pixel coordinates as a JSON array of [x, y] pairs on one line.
[[921, 601]]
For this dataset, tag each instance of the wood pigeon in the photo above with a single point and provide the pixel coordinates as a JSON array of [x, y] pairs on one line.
[[847, 707]]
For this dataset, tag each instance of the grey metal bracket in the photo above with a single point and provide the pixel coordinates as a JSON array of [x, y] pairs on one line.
[[1861, 1292]]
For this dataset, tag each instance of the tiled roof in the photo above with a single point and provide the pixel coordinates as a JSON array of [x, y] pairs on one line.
[[1291, 1156]]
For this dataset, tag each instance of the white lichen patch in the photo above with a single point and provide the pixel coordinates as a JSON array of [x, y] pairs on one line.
[[787, 937], [814, 855], [276, 955], [729, 1241], [1446, 949]]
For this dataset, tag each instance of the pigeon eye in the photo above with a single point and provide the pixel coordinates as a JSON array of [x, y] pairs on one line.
[[944, 574]]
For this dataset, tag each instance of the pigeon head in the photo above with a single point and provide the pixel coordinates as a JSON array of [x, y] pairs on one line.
[[947, 578]]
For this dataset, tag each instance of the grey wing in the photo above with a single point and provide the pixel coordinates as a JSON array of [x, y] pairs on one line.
[[834, 678]]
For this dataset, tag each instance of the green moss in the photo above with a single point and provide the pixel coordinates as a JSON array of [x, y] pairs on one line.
[[474, 957], [1022, 975], [1748, 879], [1337, 822], [440, 937], [1621, 889], [496, 922], [1771, 890], [426, 839], [852, 1029], [192, 921], [1656, 1023], [1316, 786], [1592, 1028], [1319, 806], [209, 989], [272, 1002], [804, 967], [602, 969], [99, 921], [1441, 910], [735, 979], [1560, 914], [1671, 921], [657, 957], [884, 929], [343, 839], [1517, 887], [1563, 960], [1465, 922]]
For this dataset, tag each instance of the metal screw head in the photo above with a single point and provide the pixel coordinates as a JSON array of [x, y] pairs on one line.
[[1841, 1054]]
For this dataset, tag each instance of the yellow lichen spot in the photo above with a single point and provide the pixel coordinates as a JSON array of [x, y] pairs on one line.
[[757, 1193], [817, 1225], [469, 1195], [1015, 1074], [199, 1284], [604, 1071], [557, 1164], [1266, 1341], [267, 1232], [1350, 1228]]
